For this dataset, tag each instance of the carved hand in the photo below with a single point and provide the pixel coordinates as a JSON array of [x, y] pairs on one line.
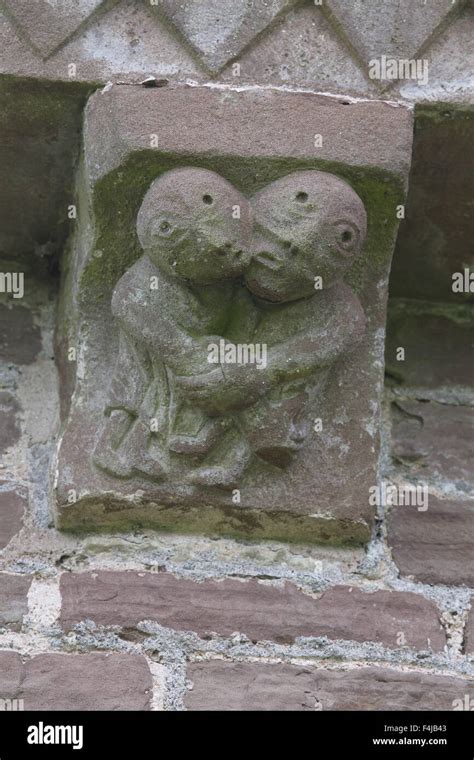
[[223, 390]]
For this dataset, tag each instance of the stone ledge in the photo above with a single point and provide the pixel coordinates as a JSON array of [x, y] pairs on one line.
[[223, 121]]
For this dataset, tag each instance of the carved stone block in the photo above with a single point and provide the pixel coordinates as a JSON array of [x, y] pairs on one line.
[[222, 324]]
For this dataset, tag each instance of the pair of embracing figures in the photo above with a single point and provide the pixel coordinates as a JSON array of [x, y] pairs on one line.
[[219, 266]]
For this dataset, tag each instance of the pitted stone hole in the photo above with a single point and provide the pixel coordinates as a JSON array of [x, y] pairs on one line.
[[165, 227], [346, 236], [345, 102], [208, 200], [302, 197]]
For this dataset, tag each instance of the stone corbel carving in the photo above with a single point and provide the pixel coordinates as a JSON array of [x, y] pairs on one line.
[[225, 291], [220, 271]]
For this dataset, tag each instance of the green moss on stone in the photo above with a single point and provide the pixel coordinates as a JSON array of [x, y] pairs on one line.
[[107, 513]]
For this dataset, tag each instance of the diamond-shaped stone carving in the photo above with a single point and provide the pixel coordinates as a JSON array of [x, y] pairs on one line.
[[48, 23], [237, 22], [397, 30], [302, 48]]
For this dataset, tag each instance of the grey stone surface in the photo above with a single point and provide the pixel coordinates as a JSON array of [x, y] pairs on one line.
[[325, 46], [251, 686], [95, 681], [9, 427], [435, 239], [219, 29], [436, 546], [119, 167], [12, 507], [434, 442], [48, 25], [39, 126], [451, 63], [258, 610], [20, 339], [400, 31], [437, 340], [301, 49], [13, 600], [124, 41]]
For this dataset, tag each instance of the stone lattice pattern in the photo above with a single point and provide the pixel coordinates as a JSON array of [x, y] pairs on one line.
[[327, 45]]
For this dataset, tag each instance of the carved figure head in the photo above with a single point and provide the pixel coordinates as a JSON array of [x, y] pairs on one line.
[[195, 225], [308, 224]]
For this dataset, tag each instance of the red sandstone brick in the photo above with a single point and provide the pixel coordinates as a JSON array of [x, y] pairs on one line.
[[259, 610], [260, 686]]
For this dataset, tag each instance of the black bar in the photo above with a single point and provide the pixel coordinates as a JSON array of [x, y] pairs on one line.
[[161, 734]]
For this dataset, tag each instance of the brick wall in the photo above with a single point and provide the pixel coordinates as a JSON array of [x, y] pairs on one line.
[[152, 621]]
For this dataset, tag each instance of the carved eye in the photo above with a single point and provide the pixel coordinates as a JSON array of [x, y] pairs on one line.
[[302, 197], [347, 236], [207, 199], [165, 228]]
